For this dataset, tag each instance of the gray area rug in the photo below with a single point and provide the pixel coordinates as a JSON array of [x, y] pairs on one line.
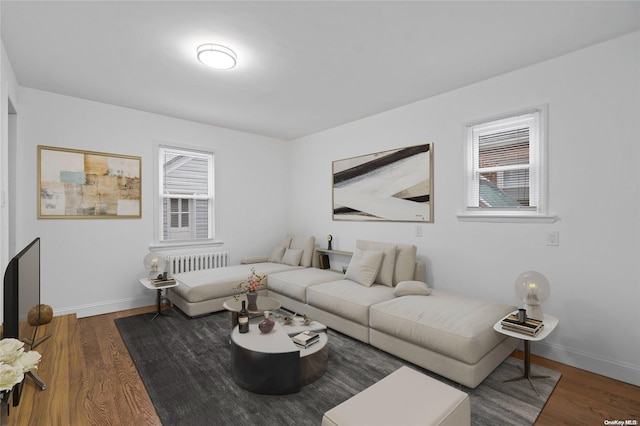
[[185, 366]]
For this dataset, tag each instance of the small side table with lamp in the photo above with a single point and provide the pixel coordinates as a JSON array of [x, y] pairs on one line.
[[533, 289], [156, 265], [159, 289]]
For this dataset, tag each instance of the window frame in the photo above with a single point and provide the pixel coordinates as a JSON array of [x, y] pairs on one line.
[[538, 167], [158, 198]]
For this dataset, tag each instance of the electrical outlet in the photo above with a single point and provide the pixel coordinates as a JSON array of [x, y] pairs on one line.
[[553, 238], [418, 230]]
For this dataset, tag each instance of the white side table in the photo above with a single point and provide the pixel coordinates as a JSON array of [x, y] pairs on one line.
[[147, 283], [550, 323]]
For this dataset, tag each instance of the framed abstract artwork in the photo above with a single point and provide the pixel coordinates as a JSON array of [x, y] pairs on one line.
[[84, 184], [394, 185]]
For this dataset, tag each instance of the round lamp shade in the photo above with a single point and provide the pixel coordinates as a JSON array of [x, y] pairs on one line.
[[155, 263], [533, 288]]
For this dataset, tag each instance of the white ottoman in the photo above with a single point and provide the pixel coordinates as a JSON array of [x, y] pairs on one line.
[[405, 397]]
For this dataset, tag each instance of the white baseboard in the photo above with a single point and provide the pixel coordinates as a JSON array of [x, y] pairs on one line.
[[105, 307], [615, 369]]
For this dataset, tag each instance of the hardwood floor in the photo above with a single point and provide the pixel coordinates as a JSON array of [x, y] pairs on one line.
[[92, 381], [61, 369], [115, 392]]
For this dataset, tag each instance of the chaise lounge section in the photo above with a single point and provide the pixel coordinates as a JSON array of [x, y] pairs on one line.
[[449, 334], [205, 291]]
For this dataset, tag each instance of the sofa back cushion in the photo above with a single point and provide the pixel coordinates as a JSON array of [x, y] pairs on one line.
[[405, 263], [306, 244], [401, 267], [277, 254]]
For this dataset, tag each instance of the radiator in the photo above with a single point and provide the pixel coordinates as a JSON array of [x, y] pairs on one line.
[[196, 261]]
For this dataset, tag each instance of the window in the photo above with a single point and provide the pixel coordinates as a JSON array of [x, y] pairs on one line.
[[186, 194], [505, 167]]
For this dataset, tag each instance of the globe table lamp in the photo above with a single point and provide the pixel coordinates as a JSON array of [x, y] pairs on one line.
[[533, 288], [155, 264]]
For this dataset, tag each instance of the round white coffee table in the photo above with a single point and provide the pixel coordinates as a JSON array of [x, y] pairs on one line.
[[550, 323], [272, 364]]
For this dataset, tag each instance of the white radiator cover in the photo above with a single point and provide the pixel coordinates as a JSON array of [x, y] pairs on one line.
[[177, 263]]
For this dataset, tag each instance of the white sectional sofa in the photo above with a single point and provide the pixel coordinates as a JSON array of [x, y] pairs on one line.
[[382, 300]]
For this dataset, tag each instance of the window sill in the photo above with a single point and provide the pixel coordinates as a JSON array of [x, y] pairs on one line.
[[185, 244], [504, 218]]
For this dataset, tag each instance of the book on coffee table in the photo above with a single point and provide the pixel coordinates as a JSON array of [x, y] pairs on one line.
[[307, 345], [306, 338]]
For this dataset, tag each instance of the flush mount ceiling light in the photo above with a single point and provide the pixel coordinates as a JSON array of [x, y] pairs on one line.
[[217, 56]]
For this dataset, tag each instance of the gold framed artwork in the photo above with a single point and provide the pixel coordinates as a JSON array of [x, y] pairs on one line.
[[75, 184], [394, 185]]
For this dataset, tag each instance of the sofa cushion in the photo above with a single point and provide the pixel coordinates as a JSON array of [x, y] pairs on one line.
[[456, 326], [385, 275], [293, 284], [292, 257], [304, 243], [348, 299], [364, 266], [287, 241], [276, 254], [411, 288], [404, 261]]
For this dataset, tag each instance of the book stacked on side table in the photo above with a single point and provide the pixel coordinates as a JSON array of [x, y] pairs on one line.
[[530, 327], [306, 339], [158, 282]]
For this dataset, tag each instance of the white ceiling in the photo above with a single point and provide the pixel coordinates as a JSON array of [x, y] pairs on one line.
[[303, 66]]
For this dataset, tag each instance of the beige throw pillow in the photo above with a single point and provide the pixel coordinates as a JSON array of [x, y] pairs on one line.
[[292, 257], [364, 266], [304, 243], [408, 288], [385, 274]]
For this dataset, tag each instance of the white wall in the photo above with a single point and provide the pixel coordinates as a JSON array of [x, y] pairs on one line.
[[92, 266], [8, 97], [594, 109]]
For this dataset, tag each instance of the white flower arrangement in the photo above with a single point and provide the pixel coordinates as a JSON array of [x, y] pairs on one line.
[[15, 362]]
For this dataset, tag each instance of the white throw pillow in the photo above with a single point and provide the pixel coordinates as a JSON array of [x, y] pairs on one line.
[[292, 257], [408, 288], [364, 266], [276, 255], [306, 244], [385, 274]]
